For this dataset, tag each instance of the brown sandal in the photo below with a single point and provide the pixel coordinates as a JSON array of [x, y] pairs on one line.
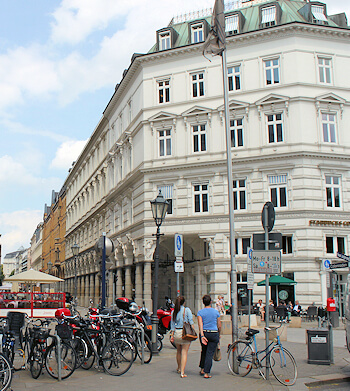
[[182, 375]]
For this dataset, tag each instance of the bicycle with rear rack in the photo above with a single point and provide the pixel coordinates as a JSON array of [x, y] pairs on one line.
[[243, 356], [115, 355]]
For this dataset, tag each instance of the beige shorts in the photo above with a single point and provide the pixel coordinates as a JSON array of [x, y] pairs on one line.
[[178, 338]]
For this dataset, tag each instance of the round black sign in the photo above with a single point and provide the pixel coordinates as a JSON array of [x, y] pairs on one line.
[[270, 216]]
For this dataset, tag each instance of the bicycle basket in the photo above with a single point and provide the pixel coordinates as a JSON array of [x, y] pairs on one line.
[[39, 333], [64, 331]]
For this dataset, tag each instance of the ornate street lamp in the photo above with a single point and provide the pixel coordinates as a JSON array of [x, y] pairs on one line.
[[75, 251], [159, 209]]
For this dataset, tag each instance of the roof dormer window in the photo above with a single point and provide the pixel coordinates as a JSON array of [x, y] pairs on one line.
[[164, 40], [318, 15], [197, 33], [268, 16], [232, 24]]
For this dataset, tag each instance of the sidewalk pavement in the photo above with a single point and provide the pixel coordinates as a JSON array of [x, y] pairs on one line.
[[161, 372]]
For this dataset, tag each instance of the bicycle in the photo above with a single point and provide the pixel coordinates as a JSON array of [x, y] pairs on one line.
[[114, 355], [243, 356], [5, 373]]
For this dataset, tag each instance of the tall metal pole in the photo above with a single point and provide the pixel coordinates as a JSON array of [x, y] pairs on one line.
[[154, 317], [233, 275], [267, 293], [103, 273], [75, 279], [177, 284]]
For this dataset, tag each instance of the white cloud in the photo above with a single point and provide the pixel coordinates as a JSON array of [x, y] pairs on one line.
[[67, 153], [18, 226], [14, 172]]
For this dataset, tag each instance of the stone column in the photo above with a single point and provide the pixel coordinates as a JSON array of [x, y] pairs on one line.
[[128, 285], [147, 284], [138, 283], [119, 282]]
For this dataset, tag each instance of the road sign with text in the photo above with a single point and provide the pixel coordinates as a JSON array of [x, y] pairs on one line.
[[338, 265], [266, 261]]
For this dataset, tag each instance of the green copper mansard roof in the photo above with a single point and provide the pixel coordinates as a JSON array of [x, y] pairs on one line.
[[289, 11]]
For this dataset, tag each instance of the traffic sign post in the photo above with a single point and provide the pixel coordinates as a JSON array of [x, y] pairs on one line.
[[266, 261], [338, 265], [178, 265], [343, 256], [250, 280]]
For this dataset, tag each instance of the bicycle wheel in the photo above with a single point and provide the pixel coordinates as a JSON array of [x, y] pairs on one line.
[[283, 366], [147, 348], [67, 364], [81, 350], [117, 357], [18, 359], [89, 359], [5, 373], [240, 358], [159, 344], [36, 361]]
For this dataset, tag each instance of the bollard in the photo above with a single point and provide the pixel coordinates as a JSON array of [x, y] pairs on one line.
[[331, 353]]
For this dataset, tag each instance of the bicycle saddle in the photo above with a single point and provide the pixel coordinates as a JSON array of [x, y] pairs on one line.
[[251, 332]]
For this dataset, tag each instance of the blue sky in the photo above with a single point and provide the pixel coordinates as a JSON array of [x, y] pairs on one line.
[[59, 63]]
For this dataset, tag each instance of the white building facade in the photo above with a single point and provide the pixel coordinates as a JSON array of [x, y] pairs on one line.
[[163, 128]]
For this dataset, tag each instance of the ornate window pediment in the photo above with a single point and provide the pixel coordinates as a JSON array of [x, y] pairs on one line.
[[273, 102], [197, 114], [163, 120], [330, 102], [236, 109]]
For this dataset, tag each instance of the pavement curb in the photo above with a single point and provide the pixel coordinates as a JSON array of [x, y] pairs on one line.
[[335, 380]]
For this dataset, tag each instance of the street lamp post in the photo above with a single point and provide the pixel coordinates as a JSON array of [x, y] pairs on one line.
[[159, 209], [75, 251]]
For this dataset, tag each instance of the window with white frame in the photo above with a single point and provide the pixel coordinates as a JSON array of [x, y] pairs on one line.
[[197, 33], [275, 127], [278, 190], [329, 128], [232, 24], [164, 40], [201, 198], [272, 71], [164, 137], [325, 70], [167, 192], [318, 15], [236, 127], [197, 84], [287, 244], [333, 191], [268, 16], [242, 245], [335, 244], [199, 138], [239, 194], [234, 78], [163, 91]]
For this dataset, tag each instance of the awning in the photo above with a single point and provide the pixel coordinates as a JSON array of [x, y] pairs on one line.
[[278, 280], [33, 276]]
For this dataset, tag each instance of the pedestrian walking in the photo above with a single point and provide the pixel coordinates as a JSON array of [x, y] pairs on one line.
[[209, 324], [180, 315], [219, 305]]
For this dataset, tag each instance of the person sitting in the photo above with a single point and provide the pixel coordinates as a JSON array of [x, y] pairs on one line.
[[296, 309], [281, 310]]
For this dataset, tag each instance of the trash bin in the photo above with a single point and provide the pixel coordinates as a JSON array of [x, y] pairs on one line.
[[334, 318], [319, 346]]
